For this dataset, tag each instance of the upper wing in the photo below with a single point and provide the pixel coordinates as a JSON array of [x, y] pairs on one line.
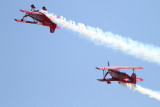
[[118, 67], [33, 12]]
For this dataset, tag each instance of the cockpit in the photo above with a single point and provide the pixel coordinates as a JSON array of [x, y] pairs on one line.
[[122, 73]]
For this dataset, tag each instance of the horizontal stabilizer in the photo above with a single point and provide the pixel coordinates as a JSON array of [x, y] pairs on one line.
[[139, 79], [57, 27]]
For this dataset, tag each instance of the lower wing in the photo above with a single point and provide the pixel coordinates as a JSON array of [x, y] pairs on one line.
[[24, 21]]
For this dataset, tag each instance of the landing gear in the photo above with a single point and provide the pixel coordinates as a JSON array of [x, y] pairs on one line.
[[108, 82]]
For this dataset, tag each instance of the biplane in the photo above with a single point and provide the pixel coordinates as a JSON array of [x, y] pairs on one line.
[[38, 18], [116, 75]]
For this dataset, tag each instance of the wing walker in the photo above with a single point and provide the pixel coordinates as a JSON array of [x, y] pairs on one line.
[[38, 18]]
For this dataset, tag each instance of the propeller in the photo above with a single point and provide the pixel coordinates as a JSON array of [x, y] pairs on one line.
[[106, 72], [108, 63]]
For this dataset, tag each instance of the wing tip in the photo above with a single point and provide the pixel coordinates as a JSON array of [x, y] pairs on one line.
[[98, 68]]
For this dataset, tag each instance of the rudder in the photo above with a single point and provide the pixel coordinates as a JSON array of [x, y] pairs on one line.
[[133, 76], [52, 29]]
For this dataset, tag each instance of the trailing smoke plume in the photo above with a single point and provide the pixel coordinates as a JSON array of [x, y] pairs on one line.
[[145, 52], [137, 49], [150, 93]]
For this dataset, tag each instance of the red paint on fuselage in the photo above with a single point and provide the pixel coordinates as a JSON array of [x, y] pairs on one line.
[[121, 77], [39, 18], [42, 18]]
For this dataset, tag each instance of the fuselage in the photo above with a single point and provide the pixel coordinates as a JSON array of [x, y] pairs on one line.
[[40, 17], [120, 76]]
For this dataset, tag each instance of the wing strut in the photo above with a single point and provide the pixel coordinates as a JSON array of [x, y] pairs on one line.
[[106, 74], [103, 73]]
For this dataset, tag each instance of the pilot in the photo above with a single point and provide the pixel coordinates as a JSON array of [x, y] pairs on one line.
[[44, 8], [33, 8]]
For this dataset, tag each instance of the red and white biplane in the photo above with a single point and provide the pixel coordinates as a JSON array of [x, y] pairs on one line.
[[38, 18], [116, 75]]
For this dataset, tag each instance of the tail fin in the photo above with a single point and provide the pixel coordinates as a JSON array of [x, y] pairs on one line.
[[133, 76], [52, 29]]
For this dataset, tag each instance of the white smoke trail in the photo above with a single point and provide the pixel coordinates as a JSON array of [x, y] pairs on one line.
[[131, 86], [146, 52], [127, 45], [150, 93]]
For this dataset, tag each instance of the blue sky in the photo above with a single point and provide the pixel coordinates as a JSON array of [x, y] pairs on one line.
[[41, 69]]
